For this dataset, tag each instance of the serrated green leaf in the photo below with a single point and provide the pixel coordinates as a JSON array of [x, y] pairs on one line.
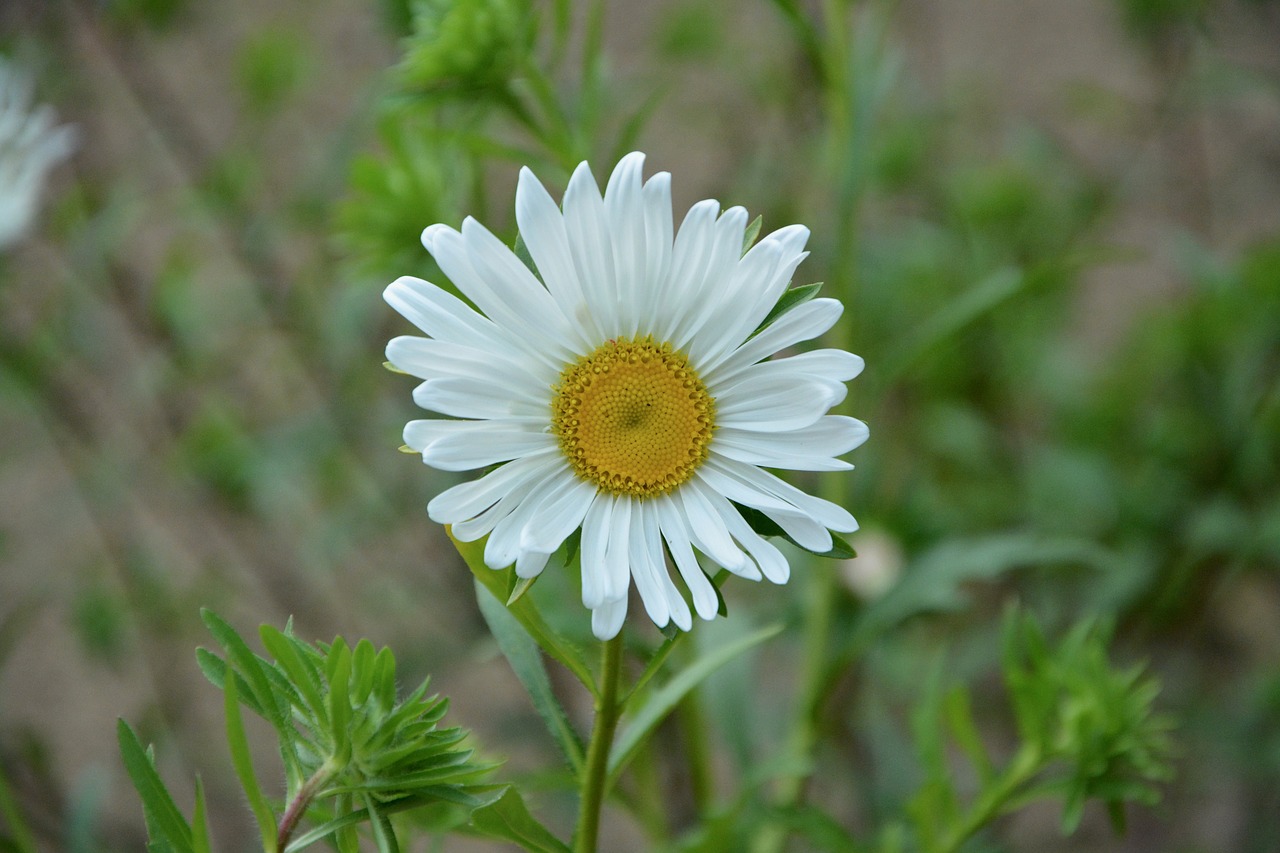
[[526, 661], [663, 700], [789, 299], [242, 761], [162, 813], [509, 820]]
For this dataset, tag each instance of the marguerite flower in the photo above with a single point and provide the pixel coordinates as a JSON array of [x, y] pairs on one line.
[[625, 389], [29, 147]]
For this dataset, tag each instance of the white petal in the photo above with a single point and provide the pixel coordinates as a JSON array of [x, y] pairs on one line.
[[606, 620], [504, 546], [643, 569], [513, 307], [766, 485], [749, 292], [466, 451], [708, 532], [543, 230], [690, 255], [775, 404], [801, 323], [812, 448], [697, 305], [483, 524], [617, 557], [625, 211], [467, 500], [525, 299], [771, 561], [444, 316], [561, 515], [430, 358], [529, 564], [658, 244], [591, 250], [832, 366], [595, 541], [468, 398], [676, 605], [671, 520]]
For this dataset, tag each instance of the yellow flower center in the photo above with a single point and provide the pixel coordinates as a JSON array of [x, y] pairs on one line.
[[633, 417]]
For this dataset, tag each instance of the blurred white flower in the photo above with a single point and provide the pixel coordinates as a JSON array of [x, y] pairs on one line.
[[30, 146], [876, 568]]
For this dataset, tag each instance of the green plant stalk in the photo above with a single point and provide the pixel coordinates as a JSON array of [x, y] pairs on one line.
[[803, 737], [595, 775], [301, 801], [1025, 766], [693, 723], [23, 840]]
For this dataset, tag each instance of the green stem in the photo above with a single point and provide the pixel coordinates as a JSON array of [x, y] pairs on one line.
[[594, 779], [23, 840], [298, 806]]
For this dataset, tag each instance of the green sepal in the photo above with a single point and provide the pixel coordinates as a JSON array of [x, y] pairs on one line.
[[788, 300], [752, 232], [522, 586], [522, 252], [766, 526], [404, 448], [389, 366]]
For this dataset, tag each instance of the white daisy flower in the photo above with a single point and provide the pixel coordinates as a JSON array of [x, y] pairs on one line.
[[625, 391], [29, 147]]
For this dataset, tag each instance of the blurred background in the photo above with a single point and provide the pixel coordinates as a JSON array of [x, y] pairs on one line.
[[1056, 227]]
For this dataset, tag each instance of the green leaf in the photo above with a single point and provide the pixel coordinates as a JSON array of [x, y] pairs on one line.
[[340, 702], [200, 842], [954, 316], [790, 299], [303, 673], [766, 526], [242, 760], [383, 834], [663, 700], [162, 813], [526, 661], [509, 820], [752, 232], [496, 582], [215, 669], [243, 659]]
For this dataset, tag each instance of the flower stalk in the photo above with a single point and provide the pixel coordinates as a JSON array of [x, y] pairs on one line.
[[595, 774]]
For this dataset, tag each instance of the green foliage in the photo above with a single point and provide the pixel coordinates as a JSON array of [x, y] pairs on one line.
[[269, 68], [418, 179], [465, 46], [1088, 731], [353, 752]]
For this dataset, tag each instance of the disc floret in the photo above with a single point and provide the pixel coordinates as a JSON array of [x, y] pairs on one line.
[[633, 417]]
